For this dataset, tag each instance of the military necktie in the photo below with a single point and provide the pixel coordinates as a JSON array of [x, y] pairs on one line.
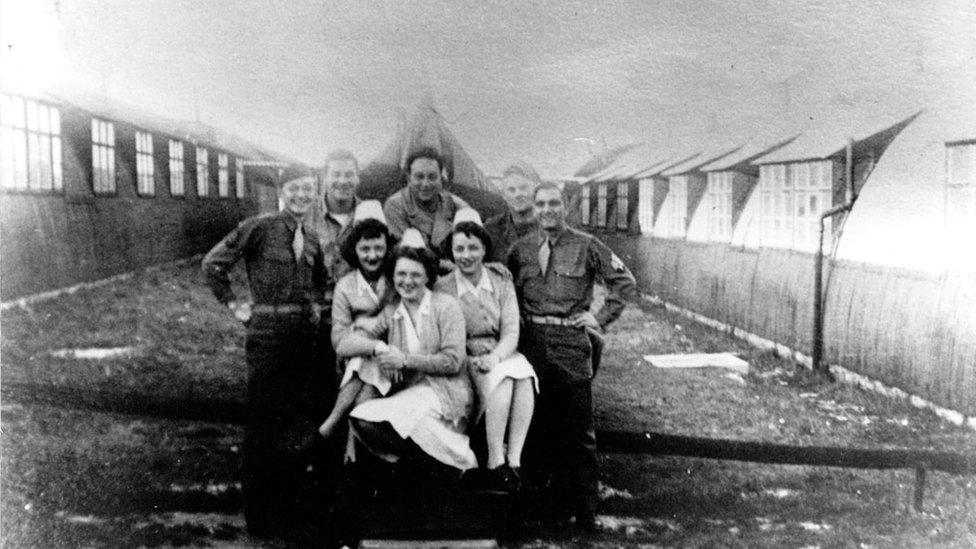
[[544, 252], [298, 244]]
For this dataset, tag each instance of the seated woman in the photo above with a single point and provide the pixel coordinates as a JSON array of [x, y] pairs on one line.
[[505, 381], [358, 295], [422, 337]]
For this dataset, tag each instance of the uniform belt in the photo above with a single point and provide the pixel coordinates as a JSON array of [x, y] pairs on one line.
[[551, 320]]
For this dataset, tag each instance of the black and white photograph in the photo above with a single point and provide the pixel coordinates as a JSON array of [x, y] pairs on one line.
[[458, 274]]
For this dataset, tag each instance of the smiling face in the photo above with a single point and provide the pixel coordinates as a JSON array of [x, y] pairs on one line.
[[341, 180], [517, 191], [370, 252], [549, 209], [425, 179], [409, 279], [468, 252], [298, 195]]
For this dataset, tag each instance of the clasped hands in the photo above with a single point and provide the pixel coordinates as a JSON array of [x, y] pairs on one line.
[[391, 360]]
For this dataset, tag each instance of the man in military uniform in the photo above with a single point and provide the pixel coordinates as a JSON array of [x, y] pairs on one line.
[[518, 183], [290, 386], [340, 180], [555, 269], [423, 204]]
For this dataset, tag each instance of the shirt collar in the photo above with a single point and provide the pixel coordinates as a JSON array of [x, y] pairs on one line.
[[464, 285], [362, 285], [328, 215], [423, 309]]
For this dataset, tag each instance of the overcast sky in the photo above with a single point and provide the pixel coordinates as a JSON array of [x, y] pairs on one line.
[[542, 81]]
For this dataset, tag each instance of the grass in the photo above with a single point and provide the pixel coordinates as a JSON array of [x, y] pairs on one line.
[[77, 473]]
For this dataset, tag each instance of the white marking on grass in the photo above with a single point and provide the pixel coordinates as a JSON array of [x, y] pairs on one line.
[[840, 373], [209, 488], [95, 353], [814, 526], [780, 493], [606, 491], [84, 519], [632, 526]]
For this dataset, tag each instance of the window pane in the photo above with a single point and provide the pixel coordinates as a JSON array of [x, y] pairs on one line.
[[56, 162]]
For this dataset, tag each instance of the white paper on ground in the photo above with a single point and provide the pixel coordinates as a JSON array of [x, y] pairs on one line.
[[700, 360]]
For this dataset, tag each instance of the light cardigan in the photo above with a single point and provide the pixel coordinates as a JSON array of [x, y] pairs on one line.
[[504, 341], [440, 326], [353, 298]]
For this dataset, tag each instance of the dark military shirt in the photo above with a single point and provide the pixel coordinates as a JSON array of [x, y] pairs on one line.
[[576, 261], [274, 276], [503, 232]]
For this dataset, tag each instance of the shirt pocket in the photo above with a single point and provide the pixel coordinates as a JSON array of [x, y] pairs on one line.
[[570, 281]]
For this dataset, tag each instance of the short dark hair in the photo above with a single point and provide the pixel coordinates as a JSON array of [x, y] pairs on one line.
[[340, 154], [424, 152], [469, 229], [548, 186], [366, 229], [421, 255]]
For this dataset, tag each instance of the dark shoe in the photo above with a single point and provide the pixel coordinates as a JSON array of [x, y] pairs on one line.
[[586, 523], [503, 478]]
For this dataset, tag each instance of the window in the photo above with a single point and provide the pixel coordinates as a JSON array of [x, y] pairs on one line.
[[622, 205], [203, 173], [176, 183], [678, 206], [645, 205], [223, 178], [239, 180], [601, 206], [30, 145], [793, 197], [585, 205], [145, 182], [961, 186], [719, 204], [103, 156]]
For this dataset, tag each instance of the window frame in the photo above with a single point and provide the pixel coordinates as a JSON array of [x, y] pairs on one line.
[[585, 206], [223, 175], [103, 148], [960, 192], [180, 160], [678, 208], [240, 188], [145, 165], [601, 205], [202, 171], [719, 205], [40, 155], [623, 205]]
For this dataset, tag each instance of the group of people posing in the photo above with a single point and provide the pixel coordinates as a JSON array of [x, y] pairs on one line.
[[413, 330]]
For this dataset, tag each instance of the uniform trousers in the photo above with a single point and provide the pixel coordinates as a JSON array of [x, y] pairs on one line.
[[291, 388], [560, 453]]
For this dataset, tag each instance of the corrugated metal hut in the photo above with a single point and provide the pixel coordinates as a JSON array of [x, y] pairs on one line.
[[93, 188]]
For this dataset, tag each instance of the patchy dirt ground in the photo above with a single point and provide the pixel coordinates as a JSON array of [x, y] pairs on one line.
[[77, 473]]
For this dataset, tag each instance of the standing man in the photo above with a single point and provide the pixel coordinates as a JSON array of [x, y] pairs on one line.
[[423, 204], [340, 179], [518, 183], [290, 385], [555, 269]]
